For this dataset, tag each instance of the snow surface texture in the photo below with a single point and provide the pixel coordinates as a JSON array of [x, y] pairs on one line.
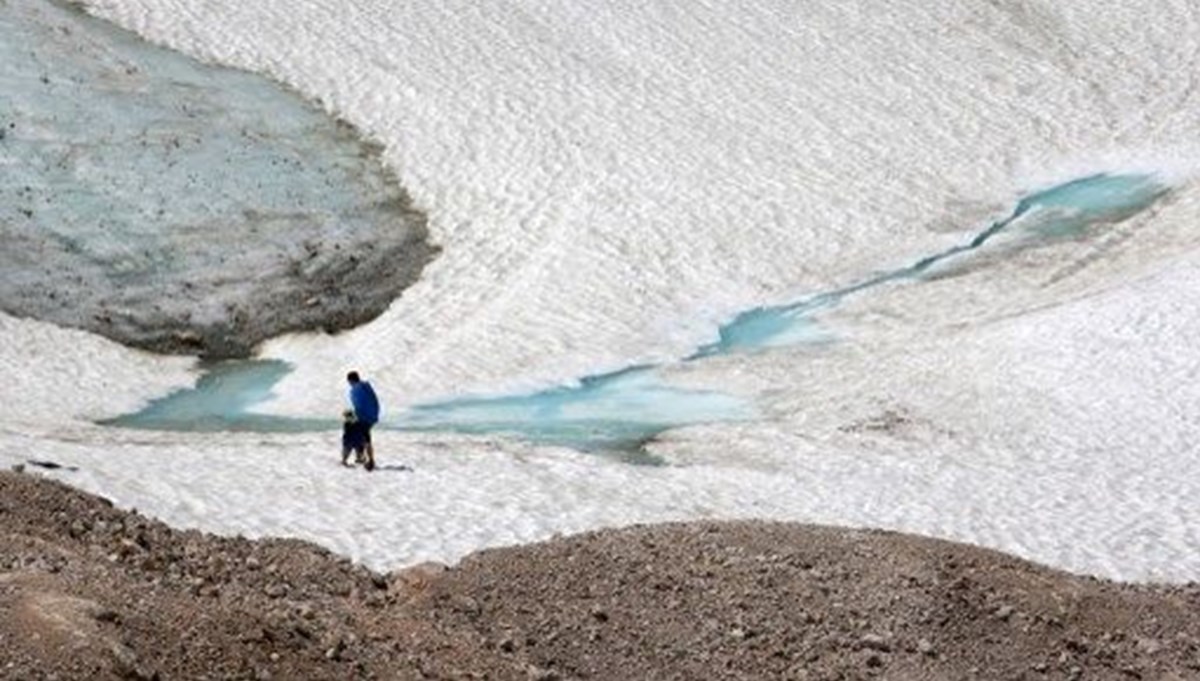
[[610, 183], [624, 410], [182, 207]]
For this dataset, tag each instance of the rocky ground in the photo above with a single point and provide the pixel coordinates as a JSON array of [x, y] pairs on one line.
[[90, 591]]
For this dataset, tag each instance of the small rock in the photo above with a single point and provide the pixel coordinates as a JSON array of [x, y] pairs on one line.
[[1149, 646], [467, 605], [539, 674], [379, 581], [126, 663], [1004, 612], [598, 614], [1077, 645], [188, 337], [875, 642], [418, 576], [925, 647]]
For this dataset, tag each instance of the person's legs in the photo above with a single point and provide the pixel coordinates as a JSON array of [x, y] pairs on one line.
[[370, 448], [353, 440]]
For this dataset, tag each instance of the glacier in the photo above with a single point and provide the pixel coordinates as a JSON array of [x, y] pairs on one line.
[[179, 206], [625, 409], [610, 183]]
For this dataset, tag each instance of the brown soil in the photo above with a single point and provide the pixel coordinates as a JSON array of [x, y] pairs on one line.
[[90, 591]]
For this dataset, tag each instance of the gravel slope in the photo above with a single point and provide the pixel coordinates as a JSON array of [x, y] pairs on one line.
[[90, 591]]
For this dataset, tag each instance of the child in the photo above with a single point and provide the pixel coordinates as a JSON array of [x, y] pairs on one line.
[[354, 438]]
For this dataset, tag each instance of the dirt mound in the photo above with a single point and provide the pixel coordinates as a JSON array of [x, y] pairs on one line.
[[90, 591]]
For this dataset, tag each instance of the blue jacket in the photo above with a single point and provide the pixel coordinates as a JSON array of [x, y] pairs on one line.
[[366, 405]]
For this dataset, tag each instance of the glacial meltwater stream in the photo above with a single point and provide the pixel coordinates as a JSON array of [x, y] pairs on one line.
[[621, 410]]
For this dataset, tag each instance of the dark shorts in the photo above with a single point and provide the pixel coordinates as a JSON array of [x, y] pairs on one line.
[[355, 437]]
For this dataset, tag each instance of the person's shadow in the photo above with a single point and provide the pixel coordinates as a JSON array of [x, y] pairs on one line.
[[396, 467], [51, 465]]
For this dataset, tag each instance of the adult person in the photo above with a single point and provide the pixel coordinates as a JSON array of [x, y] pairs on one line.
[[366, 411]]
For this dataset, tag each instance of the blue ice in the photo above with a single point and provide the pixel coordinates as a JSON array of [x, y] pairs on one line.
[[164, 202], [609, 411], [132, 151], [1068, 209], [1061, 211], [222, 400], [617, 411]]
